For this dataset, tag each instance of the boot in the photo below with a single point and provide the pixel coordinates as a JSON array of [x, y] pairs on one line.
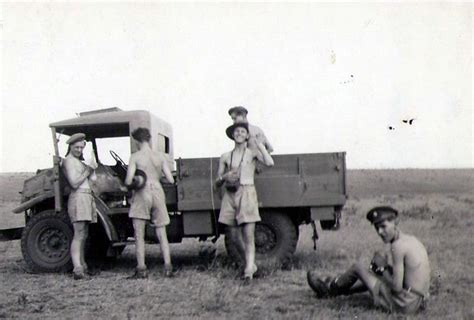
[[318, 285], [169, 271], [139, 274]]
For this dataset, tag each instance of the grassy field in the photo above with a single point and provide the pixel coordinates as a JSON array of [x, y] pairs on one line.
[[435, 205]]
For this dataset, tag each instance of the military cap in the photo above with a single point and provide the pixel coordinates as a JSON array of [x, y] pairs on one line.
[[379, 214], [238, 109], [76, 137], [230, 130]]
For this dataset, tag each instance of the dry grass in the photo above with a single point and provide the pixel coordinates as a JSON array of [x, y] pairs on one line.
[[207, 287]]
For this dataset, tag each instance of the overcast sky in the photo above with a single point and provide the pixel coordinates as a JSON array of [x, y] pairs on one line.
[[315, 77]]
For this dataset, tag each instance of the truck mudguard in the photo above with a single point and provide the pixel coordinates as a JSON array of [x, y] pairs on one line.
[[33, 201]]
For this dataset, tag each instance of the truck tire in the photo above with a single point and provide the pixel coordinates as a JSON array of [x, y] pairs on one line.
[[46, 241], [276, 237]]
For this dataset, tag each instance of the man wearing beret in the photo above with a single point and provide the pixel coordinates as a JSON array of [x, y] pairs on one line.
[[81, 205], [398, 279], [148, 202], [239, 114], [239, 207]]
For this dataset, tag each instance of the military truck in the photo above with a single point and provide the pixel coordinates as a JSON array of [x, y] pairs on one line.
[[298, 189]]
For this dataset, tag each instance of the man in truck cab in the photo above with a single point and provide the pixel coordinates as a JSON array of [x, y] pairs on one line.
[[398, 278], [148, 201], [239, 114], [239, 207], [81, 205]]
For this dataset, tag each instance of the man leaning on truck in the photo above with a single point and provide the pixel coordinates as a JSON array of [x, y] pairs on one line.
[[81, 204], [148, 202], [239, 207]]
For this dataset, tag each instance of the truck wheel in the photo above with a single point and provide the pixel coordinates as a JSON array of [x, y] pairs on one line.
[[276, 237], [45, 242]]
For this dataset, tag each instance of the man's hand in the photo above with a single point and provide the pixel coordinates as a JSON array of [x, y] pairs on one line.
[[231, 176], [92, 162], [89, 170], [379, 263]]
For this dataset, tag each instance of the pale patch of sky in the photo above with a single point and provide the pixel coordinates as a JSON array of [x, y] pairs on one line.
[[316, 77]]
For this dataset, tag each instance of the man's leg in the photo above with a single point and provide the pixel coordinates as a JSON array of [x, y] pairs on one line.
[[165, 247], [347, 283], [76, 246], [356, 279], [249, 241], [139, 228], [83, 246]]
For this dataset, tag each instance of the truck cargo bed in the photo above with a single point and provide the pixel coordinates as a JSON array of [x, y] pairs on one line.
[[296, 180]]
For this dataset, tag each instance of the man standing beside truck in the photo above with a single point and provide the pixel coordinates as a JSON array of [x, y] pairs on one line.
[[239, 207], [81, 205], [398, 279], [148, 202]]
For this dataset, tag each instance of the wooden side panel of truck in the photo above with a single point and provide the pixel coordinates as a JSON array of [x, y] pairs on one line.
[[296, 181]]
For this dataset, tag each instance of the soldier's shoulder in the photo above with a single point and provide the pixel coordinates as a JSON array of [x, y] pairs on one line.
[[68, 160], [226, 155]]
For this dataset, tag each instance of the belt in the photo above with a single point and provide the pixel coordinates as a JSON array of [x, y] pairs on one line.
[[82, 190]]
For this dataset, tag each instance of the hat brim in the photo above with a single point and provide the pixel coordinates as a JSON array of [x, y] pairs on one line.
[[76, 138], [230, 130], [238, 109], [142, 180]]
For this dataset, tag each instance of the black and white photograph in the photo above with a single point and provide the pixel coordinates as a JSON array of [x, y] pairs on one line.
[[236, 160]]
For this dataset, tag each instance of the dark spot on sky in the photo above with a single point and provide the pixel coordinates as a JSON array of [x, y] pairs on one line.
[[409, 121]]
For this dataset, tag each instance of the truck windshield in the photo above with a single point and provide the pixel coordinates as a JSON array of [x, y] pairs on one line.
[[120, 145]]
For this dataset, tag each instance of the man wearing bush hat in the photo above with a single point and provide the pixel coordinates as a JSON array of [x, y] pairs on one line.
[[81, 204], [398, 278], [239, 207], [239, 114]]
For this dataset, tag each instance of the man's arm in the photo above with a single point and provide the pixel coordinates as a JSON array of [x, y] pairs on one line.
[[220, 172], [396, 279], [132, 167], [166, 170], [76, 176], [263, 156], [267, 143]]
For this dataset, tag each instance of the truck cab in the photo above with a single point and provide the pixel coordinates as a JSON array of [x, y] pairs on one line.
[[46, 237]]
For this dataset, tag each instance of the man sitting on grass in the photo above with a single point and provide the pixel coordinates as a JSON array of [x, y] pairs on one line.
[[398, 279]]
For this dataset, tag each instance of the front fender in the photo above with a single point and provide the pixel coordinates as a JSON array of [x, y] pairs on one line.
[[33, 201], [102, 210]]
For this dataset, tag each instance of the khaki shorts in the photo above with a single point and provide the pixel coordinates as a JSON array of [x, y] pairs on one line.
[[149, 203], [81, 206], [404, 301], [240, 206]]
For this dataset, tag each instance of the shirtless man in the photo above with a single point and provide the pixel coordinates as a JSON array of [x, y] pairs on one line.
[[239, 114], [148, 202], [239, 207], [398, 279], [81, 205]]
